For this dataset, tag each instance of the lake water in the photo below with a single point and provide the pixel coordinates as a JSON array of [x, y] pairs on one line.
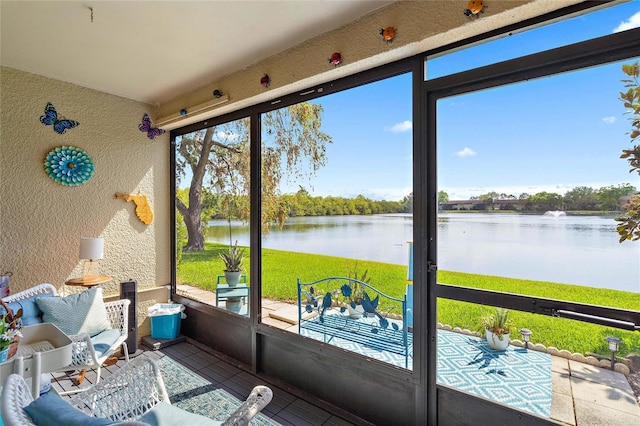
[[581, 250]]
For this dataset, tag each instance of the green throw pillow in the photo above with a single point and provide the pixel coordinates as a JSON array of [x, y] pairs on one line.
[[77, 313]]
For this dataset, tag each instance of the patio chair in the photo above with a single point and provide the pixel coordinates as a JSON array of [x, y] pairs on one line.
[[88, 352], [134, 395]]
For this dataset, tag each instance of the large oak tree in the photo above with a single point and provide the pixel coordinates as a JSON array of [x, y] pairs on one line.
[[217, 158]]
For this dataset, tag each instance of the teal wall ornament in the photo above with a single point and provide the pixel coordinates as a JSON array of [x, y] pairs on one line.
[[69, 166]]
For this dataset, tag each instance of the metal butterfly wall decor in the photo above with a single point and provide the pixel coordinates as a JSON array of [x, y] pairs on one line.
[[145, 126], [50, 118]]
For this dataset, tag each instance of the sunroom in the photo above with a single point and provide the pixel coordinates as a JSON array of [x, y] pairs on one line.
[[329, 158]]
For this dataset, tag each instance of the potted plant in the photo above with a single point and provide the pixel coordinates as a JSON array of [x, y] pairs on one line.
[[353, 292], [497, 329], [233, 264], [10, 332]]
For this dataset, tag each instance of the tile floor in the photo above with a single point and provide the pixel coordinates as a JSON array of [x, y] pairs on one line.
[[582, 395], [285, 408]]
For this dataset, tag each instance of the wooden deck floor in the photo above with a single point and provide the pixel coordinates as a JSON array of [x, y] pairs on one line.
[[285, 408]]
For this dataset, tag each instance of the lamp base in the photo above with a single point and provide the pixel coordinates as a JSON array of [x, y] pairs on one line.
[[90, 268]]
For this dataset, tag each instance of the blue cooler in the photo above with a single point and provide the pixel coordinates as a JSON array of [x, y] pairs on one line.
[[165, 320]]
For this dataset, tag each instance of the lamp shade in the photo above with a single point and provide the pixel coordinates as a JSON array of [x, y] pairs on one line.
[[91, 248]]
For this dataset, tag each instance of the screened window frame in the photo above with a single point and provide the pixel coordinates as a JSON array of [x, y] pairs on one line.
[[606, 49]]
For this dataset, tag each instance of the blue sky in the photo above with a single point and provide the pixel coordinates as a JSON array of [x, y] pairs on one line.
[[549, 134]]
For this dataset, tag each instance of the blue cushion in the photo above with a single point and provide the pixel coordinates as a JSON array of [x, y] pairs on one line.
[[31, 313], [77, 313], [164, 414], [104, 340], [51, 410]]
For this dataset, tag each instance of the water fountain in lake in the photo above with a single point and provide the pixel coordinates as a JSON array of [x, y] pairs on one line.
[[555, 213]]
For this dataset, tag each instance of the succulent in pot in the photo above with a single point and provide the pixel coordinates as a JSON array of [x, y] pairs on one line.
[[497, 329], [233, 264]]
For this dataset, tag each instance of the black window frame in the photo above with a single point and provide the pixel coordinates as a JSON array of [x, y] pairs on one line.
[[429, 396]]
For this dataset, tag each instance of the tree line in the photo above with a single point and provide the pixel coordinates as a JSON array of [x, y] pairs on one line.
[[583, 198], [224, 206], [302, 203]]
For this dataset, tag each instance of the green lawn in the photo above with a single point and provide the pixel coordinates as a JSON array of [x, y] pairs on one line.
[[282, 268]]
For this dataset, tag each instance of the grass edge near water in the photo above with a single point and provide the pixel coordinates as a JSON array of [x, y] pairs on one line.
[[281, 268]]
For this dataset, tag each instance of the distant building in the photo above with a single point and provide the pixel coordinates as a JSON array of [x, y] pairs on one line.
[[483, 205]]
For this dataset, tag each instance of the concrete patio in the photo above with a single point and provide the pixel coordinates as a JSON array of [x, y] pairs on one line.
[[582, 394]]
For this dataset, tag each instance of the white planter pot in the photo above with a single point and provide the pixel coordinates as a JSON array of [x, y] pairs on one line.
[[496, 342], [355, 313]]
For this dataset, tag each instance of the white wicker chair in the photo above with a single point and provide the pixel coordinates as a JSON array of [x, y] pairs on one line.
[[125, 396], [84, 355]]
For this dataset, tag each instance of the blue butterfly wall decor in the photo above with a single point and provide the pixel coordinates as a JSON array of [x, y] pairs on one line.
[[145, 126], [50, 118]]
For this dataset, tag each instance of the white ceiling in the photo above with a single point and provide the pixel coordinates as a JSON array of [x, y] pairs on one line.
[[153, 51]]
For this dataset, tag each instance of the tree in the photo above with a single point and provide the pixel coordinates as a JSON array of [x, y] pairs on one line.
[[489, 198], [545, 201], [629, 223], [581, 198], [443, 197], [610, 197], [407, 202], [293, 146]]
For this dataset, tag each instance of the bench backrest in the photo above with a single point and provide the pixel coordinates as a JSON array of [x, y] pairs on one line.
[[26, 300], [312, 296]]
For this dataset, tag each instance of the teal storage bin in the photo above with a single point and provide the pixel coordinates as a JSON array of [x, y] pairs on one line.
[[165, 320]]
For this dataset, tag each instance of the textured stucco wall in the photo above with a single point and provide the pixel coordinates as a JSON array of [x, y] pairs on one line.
[[41, 221], [420, 26]]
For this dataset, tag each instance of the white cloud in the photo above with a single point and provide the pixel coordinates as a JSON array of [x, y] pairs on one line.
[[466, 152], [609, 120], [404, 126], [377, 194], [633, 22], [227, 136]]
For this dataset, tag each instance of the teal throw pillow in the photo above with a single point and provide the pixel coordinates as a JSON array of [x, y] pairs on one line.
[[164, 414], [77, 313], [51, 410]]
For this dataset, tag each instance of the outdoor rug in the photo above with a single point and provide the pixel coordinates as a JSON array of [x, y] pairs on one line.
[[195, 394], [360, 344], [516, 377]]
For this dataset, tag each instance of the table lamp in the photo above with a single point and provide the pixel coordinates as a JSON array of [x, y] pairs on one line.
[[91, 249]]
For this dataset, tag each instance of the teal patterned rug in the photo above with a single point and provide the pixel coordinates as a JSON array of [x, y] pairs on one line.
[[516, 377], [195, 394]]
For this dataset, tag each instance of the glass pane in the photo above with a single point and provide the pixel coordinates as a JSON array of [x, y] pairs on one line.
[[212, 175], [581, 28], [337, 202], [528, 199]]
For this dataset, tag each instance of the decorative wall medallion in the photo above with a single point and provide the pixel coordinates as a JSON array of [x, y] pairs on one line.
[[69, 166]]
